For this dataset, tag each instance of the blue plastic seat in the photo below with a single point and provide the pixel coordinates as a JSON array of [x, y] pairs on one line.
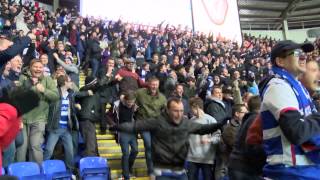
[[94, 168], [55, 169], [3, 172], [26, 171]]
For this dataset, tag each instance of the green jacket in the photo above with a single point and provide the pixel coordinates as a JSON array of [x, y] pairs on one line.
[[40, 113], [149, 106]]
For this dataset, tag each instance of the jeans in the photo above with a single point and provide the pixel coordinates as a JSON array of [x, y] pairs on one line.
[[9, 154], [147, 147], [75, 141], [19, 139], [221, 169], [66, 138], [94, 63], [128, 158], [33, 135], [165, 177], [194, 169]]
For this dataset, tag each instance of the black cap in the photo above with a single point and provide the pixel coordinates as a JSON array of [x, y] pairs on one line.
[[286, 45]]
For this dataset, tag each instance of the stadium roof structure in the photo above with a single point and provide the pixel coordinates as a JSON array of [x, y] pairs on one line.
[[271, 14], [264, 14]]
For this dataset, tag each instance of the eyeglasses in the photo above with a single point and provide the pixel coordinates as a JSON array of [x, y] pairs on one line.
[[296, 53]]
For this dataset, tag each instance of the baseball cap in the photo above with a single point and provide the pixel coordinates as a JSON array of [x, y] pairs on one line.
[[286, 45]]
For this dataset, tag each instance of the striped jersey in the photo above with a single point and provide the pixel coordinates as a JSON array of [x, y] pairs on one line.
[[64, 112], [283, 156]]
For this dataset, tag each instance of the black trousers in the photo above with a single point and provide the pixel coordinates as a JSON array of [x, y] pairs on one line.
[[240, 175], [88, 132], [194, 169]]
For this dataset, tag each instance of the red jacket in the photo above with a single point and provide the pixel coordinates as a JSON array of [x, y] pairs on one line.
[[123, 72], [9, 126]]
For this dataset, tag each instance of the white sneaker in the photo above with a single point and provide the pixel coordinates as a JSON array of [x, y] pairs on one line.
[[74, 177]]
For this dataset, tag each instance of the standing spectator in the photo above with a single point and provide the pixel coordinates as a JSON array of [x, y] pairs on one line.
[[16, 68], [62, 121], [5, 83], [35, 120], [71, 69], [49, 49], [124, 110], [170, 133], [89, 114], [8, 49], [44, 60], [108, 92], [150, 102], [289, 115], [202, 150], [231, 129], [128, 79], [93, 53], [247, 161], [145, 72], [15, 104], [81, 47], [214, 105], [179, 93]]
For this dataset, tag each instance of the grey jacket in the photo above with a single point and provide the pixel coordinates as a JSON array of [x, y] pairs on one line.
[[203, 153]]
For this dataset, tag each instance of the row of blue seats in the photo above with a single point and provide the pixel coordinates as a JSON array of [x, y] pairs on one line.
[[90, 168]]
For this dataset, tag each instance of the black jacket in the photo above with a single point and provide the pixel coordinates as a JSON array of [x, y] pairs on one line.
[[90, 105], [93, 50], [170, 142], [215, 109], [108, 89], [55, 113], [244, 157]]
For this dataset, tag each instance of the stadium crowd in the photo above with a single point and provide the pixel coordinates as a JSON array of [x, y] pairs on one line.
[[136, 74]]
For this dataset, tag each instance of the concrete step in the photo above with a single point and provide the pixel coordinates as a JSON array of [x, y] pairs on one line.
[[105, 136], [139, 172], [116, 163], [115, 149], [115, 156], [112, 142]]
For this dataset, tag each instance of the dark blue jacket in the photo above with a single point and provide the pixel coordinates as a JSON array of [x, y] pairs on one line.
[[14, 50]]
